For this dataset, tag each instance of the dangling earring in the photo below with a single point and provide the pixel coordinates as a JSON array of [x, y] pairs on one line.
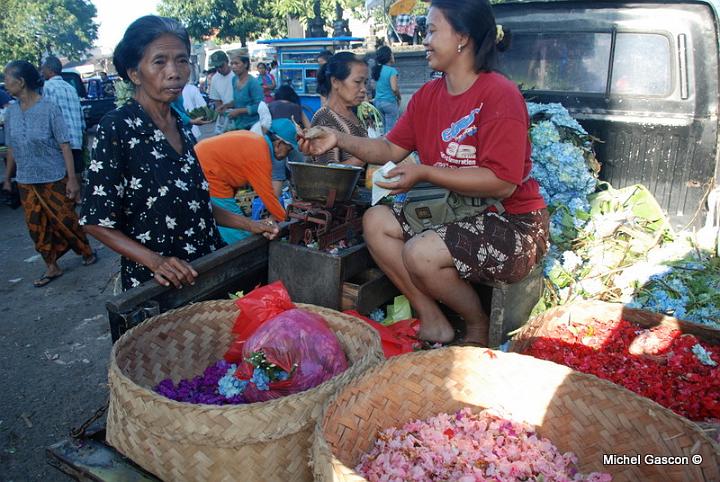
[[460, 47]]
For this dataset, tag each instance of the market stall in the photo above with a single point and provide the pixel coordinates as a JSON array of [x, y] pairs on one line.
[[298, 67]]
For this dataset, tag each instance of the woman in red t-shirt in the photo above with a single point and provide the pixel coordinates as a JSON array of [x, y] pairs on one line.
[[470, 129]]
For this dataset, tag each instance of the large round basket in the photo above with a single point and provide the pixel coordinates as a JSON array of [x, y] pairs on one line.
[[182, 441], [577, 412]]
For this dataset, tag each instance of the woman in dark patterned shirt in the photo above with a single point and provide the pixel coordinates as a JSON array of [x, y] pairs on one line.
[[147, 197], [342, 81]]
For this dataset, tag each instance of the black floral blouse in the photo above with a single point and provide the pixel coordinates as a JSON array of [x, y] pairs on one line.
[[139, 184]]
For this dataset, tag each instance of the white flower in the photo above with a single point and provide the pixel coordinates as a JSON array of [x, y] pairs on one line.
[[150, 201], [189, 248], [120, 189], [99, 191], [138, 121], [157, 154], [185, 168], [194, 206], [144, 237], [205, 186], [135, 183], [129, 122], [163, 190], [135, 283], [107, 223], [182, 185], [133, 142], [171, 223], [94, 143], [82, 221], [95, 165], [189, 232], [202, 223], [158, 135]]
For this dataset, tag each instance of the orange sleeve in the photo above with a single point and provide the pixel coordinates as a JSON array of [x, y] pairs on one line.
[[259, 175], [216, 178]]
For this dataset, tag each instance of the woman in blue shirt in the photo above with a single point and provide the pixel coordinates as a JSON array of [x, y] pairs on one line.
[[387, 92], [247, 94]]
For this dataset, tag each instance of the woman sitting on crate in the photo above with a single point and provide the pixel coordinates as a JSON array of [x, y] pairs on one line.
[[342, 81], [491, 223], [237, 159], [147, 198]]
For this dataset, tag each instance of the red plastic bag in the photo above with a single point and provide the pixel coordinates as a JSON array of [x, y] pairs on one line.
[[295, 339], [258, 306], [398, 338]]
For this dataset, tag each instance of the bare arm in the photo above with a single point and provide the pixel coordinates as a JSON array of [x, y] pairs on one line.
[[266, 227], [72, 189], [395, 88], [166, 270], [373, 151], [475, 182], [9, 168]]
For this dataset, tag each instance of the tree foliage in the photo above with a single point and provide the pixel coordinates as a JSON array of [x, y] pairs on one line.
[[28, 28], [245, 20], [303, 9], [226, 20]]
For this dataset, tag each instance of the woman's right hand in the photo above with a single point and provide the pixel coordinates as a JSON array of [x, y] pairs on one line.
[[317, 140], [167, 270], [266, 227]]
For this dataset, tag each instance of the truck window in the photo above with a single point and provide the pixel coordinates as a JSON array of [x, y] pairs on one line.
[[637, 55], [566, 62]]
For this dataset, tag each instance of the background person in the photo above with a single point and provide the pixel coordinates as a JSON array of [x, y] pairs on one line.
[[267, 82], [387, 93], [221, 88], [470, 129], [64, 95], [287, 106], [235, 159], [38, 144], [147, 198], [342, 80], [247, 94]]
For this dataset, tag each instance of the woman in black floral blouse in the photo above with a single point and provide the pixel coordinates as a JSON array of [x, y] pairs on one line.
[[147, 198]]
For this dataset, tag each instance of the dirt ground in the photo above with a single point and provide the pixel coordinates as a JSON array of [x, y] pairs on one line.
[[54, 349]]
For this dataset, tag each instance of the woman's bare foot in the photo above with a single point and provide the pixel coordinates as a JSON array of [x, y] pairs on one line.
[[476, 334], [439, 331]]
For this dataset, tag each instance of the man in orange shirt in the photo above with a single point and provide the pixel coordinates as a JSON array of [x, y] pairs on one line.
[[235, 159]]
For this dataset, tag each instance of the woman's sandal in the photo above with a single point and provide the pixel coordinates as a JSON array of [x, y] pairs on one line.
[[91, 260], [461, 341], [45, 279]]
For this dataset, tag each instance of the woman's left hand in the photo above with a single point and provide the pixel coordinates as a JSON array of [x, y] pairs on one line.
[[410, 174], [72, 189]]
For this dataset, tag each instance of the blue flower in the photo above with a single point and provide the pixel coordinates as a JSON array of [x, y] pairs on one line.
[[260, 379], [229, 386]]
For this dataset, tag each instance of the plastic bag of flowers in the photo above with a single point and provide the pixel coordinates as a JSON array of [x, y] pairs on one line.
[[290, 353]]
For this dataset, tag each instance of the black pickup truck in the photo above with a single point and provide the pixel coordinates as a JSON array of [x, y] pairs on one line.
[[641, 76], [93, 108]]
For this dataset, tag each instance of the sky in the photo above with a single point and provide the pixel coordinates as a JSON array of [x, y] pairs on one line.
[[114, 16]]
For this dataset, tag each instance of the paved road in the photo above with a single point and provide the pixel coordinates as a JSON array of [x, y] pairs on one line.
[[54, 349]]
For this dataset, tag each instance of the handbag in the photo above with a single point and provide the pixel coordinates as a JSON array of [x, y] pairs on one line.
[[427, 206]]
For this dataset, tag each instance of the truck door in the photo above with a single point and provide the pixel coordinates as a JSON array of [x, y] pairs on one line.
[[642, 78]]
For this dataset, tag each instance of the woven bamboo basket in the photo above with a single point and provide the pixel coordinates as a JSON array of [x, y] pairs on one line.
[[182, 441], [577, 412], [585, 311]]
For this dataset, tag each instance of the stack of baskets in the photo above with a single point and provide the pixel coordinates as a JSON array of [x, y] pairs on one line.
[[182, 441], [577, 412]]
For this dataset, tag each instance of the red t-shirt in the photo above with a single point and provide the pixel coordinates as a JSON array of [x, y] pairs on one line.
[[486, 126]]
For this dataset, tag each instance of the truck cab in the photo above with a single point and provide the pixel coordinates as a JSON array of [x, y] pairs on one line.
[[640, 76]]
